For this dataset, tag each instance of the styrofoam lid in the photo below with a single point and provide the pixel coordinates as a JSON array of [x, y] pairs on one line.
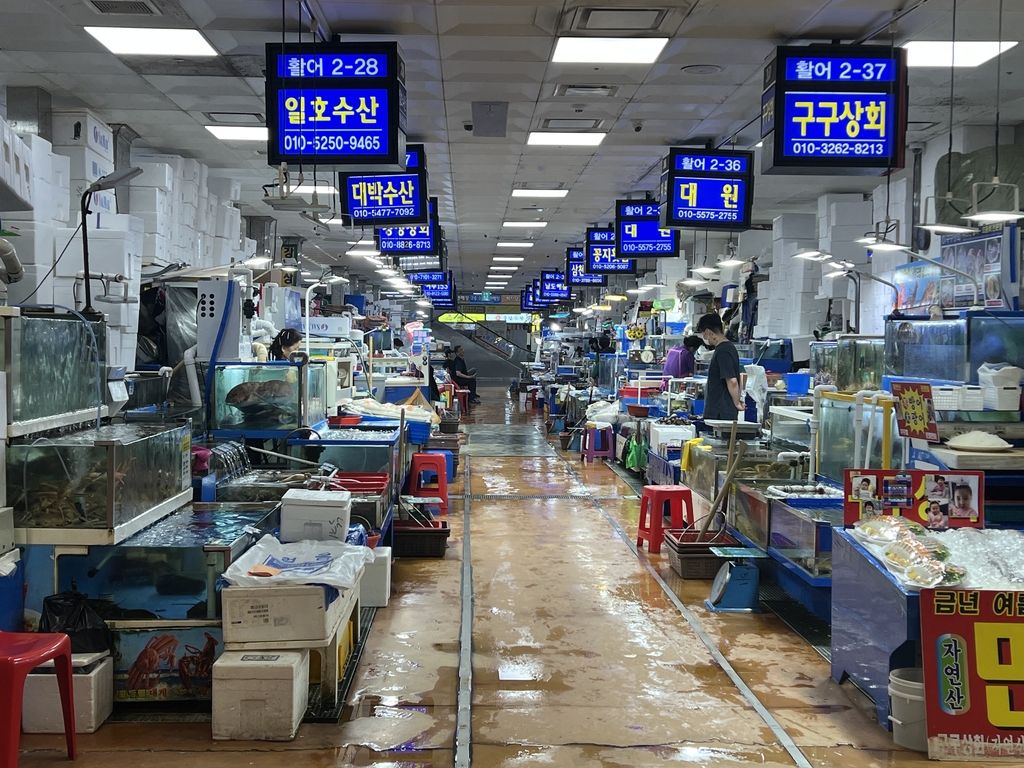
[[317, 498], [259, 665]]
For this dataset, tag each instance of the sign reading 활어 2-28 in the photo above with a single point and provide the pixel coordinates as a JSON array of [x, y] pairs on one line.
[[707, 189], [336, 105], [838, 109]]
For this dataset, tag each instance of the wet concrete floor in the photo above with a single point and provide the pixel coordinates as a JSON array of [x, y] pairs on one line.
[[580, 659]]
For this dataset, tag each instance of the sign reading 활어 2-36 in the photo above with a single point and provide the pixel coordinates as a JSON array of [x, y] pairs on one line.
[[638, 231], [336, 105], [707, 189], [834, 109]]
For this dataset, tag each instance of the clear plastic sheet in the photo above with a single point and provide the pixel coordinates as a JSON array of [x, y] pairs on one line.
[[303, 562]]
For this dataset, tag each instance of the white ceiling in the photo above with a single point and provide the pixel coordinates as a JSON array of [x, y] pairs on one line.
[[460, 51]]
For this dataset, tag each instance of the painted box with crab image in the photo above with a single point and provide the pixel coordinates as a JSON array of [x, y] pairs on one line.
[[171, 662], [97, 486]]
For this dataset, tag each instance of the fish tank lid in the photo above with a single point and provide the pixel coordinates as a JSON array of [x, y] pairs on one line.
[[110, 434]]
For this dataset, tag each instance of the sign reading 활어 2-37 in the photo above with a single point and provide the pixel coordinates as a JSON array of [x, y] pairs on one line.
[[834, 109], [707, 189], [337, 105]]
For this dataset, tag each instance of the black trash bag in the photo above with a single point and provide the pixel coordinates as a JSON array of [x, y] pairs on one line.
[[70, 613]]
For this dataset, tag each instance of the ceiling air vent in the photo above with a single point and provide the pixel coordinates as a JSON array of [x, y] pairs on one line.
[[619, 19], [587, 91], [124, 7], [570, 124]]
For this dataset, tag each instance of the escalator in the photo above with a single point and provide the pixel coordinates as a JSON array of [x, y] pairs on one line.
[[487, 355]]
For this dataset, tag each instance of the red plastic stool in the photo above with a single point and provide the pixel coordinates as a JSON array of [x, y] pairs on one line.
[[531, 398], [463, 397], [652, 513], [429, 462], [20, 653], [597, 444]]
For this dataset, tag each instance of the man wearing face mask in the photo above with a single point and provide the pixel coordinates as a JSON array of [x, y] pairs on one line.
[[722, 397]]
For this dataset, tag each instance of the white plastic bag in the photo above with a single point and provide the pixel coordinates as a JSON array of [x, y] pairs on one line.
[[999, 375], [333, 563], [757, 388]]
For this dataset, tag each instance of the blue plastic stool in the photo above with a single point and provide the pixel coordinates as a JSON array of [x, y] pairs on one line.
[[449, 463]]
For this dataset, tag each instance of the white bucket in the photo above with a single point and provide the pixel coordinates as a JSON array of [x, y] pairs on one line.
[[907, 710]]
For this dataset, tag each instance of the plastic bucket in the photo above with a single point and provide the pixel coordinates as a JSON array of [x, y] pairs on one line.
[[798, 383], [907, 710], [565, 439]]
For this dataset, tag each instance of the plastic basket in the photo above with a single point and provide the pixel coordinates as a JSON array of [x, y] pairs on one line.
[[946, 398], [972, 398], [449, 427], [693, 560], [797, 383], [418, 432], [1002, 398], [413, 539]]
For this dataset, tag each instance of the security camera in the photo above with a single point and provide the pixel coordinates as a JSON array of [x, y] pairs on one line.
[[638, 126], [468, 127]]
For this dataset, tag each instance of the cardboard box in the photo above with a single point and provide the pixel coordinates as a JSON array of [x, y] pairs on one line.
[[279, 614], [375, 585], [260, 696], [94, 695], [315, 515], [82, 128]]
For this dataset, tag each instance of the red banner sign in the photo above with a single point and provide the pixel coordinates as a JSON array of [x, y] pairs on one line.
[[972, 644], [936, 500], [915, 411]]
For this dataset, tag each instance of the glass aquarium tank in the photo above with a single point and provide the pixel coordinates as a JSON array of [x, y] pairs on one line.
[[994, 337], [114, 479], [61, 387], [277, 397], [880, 446], [918, 348], [859, 364], [824, 362], [803, 535]]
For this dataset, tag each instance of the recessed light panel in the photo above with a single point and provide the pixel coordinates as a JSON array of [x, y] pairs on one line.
[[143, 41]]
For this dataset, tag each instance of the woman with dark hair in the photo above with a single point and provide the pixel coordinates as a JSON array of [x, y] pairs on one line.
[[287, 341]]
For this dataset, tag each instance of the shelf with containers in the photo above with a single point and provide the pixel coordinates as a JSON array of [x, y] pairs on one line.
[[262, 401]]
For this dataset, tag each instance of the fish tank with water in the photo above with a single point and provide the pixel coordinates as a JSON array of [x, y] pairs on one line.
[[823, 363], [110, 481], [919, 348], [250, 399], [72, 370], [880, 446], [859, 363], [803, 534]]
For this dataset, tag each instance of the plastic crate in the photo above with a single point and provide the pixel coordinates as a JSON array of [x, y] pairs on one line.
[[449, 427], [946, 398], [972, 398], [413, 539], [692, 560], [1002, 398], [418, 432]]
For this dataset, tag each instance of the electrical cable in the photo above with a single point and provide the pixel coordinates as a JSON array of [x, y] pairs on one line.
[[55, 263]]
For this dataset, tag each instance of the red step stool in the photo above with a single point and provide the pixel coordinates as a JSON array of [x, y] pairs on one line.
[[652, 513], [429, 462], [463, 398], [531, 398], [596, 444]]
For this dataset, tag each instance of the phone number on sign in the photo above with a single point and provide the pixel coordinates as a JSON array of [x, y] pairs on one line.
[[646, 248], [331, 143], [833, 148], [689, 215], [383, 212]]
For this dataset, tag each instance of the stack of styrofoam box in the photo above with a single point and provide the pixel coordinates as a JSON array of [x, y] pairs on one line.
[[115, 247], [791, 233], [34, 244], [848, 221], [89, 143], [825, 203], [151, 201]]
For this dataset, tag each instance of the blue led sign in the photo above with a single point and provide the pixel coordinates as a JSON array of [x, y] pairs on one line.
[[416, 238], [601, 254], [553, 286], [428, 278], [638, 231], [840, 69], [337, 65], [708, 162], [707, 189], [439, 291], [332, 121], [703, 200], [827, 125], [391, 198], [576, 269]]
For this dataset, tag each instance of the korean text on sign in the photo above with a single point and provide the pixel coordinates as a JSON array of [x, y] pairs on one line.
[[381, 197], [699, 199], [839, 124], [315, 121]]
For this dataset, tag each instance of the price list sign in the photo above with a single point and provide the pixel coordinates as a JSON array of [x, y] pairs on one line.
[[638, 231], [707, 189], [576, 269], [835, 109], [340, 104], [601, 258], [394, 199], [553, 287]]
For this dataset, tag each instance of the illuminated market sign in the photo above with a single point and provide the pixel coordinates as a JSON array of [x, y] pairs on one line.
[[553, 286], [638, 231], [601, 254], [392, 199], [336, 104], [428, 278], [836, 109], [576, 269], [707, 189], [439, 291], [422, 239]]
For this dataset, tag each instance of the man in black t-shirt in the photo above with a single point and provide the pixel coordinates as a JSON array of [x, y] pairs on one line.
[[464, 377], [722, 397]]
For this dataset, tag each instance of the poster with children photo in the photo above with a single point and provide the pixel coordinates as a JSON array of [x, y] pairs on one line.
[[938, 515], [863, 488], [937, 488], [965, 495]]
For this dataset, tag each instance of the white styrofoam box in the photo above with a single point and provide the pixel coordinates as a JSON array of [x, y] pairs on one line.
[[110, 250], [844, 214], [157, 175], [81, 128], [34, 277], [795, 226], [375, 586], [315, 515], [206, 246], [825, 202], [64, 293], [204, 178], [155, 222], [664, 434], [123, 222], [150, 199], [834, 288], [60, 166], [260, 696], [101, 202], [38, 152], [229, 221], [86, 163], [249, 246], [278, 614], [221, 251], [93, 692], [187, 215], [34, 243], [156, 250], [189, 192], [143, 155], [227, 189], [849, 233], [6, 152], [190, 169]]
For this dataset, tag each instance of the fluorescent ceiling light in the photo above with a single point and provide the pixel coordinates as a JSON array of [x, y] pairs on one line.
[[289, 269], [759, 144], [579, 309], [310, 280], [634, 290], [945, 53], [142, 41], [866, 240], [320, 189], [540, 192], [307, 274], [423, 303], [615, 297], [809, 255], [693, 281], [608, 50], [238, 132], [949, 229], [837, 273], [514, 244], [257, 261], [558, 139], [337, 279], [524, 224], [504, 269], [888, 245], [508, 258], [363, 252], [386, 271]]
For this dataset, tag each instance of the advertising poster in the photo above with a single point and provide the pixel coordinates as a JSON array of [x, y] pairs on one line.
[[972, 647], [173, 663], [936, 500], [915, 411]]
